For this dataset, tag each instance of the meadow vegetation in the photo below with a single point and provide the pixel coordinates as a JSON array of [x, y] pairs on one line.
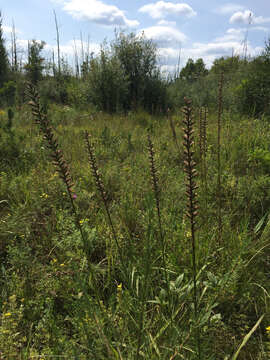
[[134, 222]]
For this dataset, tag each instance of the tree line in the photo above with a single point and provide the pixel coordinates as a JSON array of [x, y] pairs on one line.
[[125, 76]]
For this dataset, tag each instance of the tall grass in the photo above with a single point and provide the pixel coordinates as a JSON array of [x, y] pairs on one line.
[[192, 207], [154, 288], [220, 98]]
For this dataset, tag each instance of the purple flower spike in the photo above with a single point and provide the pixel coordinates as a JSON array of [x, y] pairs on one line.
[[74, 196]]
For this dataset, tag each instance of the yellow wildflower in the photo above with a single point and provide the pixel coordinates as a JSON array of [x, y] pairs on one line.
[[268, 329], [62, 264], [119, 287], [7, 314], [119, 293], [83, 221]]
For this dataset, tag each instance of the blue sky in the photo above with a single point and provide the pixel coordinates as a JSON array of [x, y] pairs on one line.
[[200, 28]]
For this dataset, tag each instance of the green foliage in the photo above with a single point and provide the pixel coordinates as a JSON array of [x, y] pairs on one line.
[[35, 66], [58, 307], [193, 70], [108, 85], [126, 76], [77, 93], [254, 90], [125, 292], [54, 90], [260, 160], [4, 65], [227, 65], [138, 58], [7, 93]]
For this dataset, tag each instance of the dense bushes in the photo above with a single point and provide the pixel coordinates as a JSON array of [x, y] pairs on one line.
[[126, 76], [107, 83], [254, 89]]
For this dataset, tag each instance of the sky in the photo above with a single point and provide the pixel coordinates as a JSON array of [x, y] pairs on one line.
[[206, 29]]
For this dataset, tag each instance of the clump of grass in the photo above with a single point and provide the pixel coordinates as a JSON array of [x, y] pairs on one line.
[[133, 320], [192, 207]]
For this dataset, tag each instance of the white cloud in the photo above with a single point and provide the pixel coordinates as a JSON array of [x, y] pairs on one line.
[[168, 53], [162, 9], [8, 29], [260, 28], [229, 8], [164, 35], [246, 17], [240, 32], [217, 48], [69, 48], [236, 32], [97, 11], [166, 23], [168, 70], [260, 20], [232, 35], [169, 56]]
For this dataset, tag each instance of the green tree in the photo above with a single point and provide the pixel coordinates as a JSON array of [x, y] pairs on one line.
[[35, 64], [7, 93], [227, 65], [266, 51], [138, 59], [4, 65], [108, 84], [254, 91], [193, 70]]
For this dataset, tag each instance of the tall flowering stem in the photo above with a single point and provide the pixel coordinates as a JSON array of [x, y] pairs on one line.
[[204, 137], [154, 179], [169, 116], [201, 133], [100, 185], [203, 140], [44, 124], [220, 105], [192, 208], [61, 165], [156, 191]]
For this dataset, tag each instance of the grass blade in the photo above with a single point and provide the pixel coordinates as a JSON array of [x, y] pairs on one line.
[[246, 338]]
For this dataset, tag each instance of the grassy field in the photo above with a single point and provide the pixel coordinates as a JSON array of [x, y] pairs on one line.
[[92, 275]]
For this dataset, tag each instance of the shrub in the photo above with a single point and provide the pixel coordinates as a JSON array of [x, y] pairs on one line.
[[7, 93]]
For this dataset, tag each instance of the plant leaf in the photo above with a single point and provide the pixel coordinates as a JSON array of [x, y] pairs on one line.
[[246, 338]]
